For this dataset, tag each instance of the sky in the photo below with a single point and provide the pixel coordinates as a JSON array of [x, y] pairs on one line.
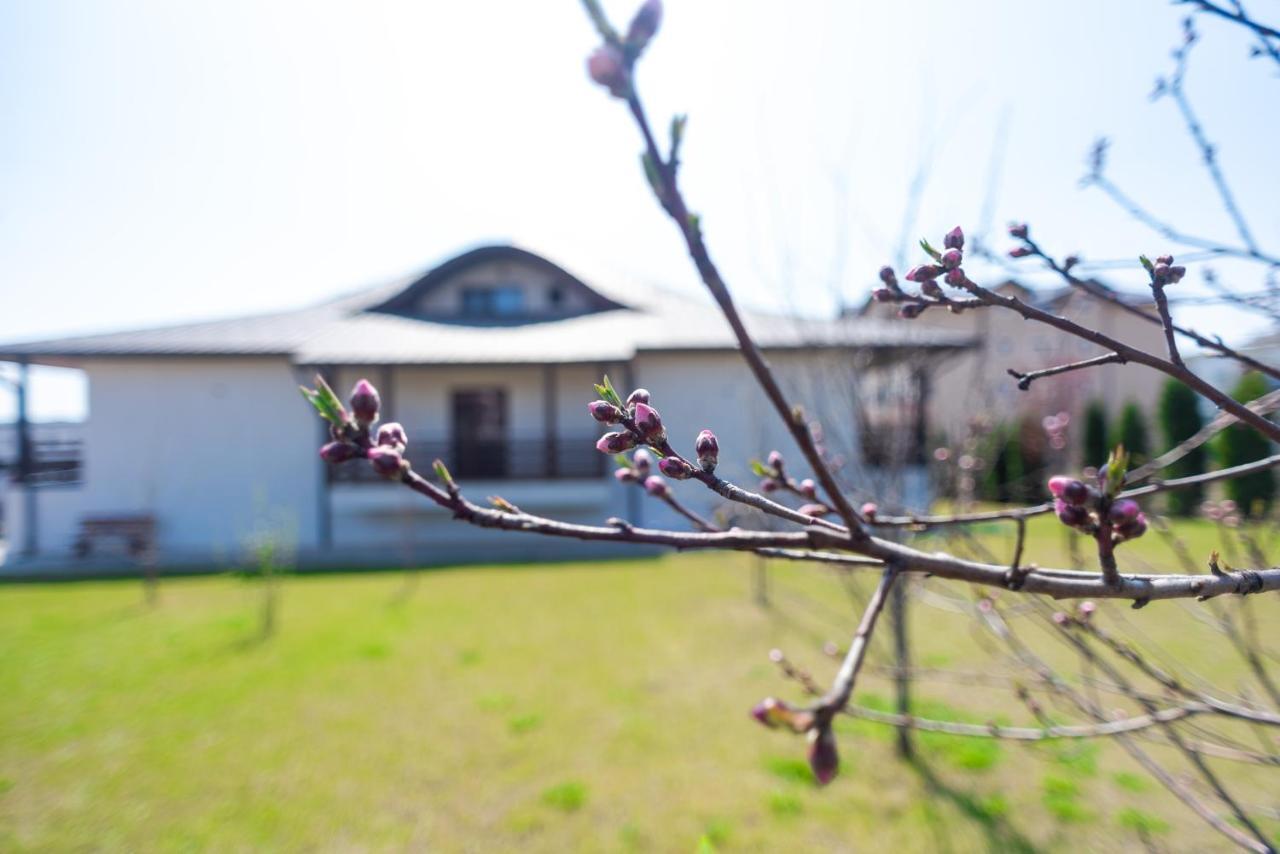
[[164, 162]]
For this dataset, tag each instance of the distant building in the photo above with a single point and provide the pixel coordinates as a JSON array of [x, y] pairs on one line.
[[976, 382], [488, 360]]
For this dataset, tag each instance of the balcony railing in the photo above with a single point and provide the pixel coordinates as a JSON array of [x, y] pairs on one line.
[[54, 461], [511, 459]]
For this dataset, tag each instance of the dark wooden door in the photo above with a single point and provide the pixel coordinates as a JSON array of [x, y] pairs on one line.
[[480, 433]]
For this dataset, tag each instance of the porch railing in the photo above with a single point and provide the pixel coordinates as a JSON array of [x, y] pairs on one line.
[[510, 459]]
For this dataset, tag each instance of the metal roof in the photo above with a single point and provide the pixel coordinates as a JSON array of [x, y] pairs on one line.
[[359, 329]]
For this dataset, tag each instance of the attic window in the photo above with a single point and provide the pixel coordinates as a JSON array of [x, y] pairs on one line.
[[500, 301]]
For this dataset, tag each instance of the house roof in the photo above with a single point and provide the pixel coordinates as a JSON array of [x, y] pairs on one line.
[[371, 327]]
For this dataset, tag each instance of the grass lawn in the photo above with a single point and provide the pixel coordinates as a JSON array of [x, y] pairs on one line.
[[545, 708]]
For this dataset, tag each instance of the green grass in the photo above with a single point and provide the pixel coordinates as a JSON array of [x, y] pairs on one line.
[[579, 707]]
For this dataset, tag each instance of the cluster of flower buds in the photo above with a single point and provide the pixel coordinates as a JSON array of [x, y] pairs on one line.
[[642, 425], [945, 267], [1085, 508], [610, 64], [1165, 272], [350, 431]]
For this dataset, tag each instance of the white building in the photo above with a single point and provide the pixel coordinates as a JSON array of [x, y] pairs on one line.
[[488, 360]]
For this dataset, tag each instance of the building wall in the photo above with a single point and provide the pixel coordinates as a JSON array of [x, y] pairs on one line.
[[219, 451]]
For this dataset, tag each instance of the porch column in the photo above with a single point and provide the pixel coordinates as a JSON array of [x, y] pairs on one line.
[[26, 465], [324, 497], [550, 419]]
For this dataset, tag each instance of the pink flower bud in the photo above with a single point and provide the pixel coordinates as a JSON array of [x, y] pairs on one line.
[[1087, 609], [808, 488], [604, 411], [952, 258], [364, 403], [775, 461], [888, 277], [771, 712], [615, 443], [769, 485], [824, 759], [392, 435], [386, 461], [1164, 259], [625, 475], [640, 395], [931, 288], [648, 421], [675, 468], [1070, 514], [645, 24], [1176, 273], [608, 68], [869, 510], [656, 486], [953, 240], [1134, 528], [1018, 230], [955, 278], [1068, 489], [1160, 274], [817, 511], [910, 311], [707, 447], [338, 452], [1123, 511], [882, 295], [923, 273], [642, 461], [1019, 252]]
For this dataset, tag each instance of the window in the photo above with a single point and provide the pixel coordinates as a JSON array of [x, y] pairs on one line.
[[498, 301]]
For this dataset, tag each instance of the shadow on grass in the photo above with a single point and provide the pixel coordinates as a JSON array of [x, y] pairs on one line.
[[1000, 834]]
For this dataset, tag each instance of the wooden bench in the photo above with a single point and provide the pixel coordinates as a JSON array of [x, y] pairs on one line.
[[136, 532]]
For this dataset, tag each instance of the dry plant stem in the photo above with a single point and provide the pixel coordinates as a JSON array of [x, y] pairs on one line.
[[1026, 379], [842, 688], [674, 204], [1166, 321], [1098, 293], [1263, 405], [1001, 629], [698, 522], [1041, 509], [1132, 354], [1263, 31], [1128, 653], [1052, 582], [1014, 733], [1175, 737]]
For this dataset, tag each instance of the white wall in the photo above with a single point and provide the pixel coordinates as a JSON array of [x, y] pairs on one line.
[[215, 449]]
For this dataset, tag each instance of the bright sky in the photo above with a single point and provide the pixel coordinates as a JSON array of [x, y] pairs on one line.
[[169, 161]]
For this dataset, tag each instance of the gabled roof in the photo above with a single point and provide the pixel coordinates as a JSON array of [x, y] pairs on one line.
[[367, 328]]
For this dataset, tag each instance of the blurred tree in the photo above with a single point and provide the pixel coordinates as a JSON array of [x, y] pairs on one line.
[[1179, 415], [1095, 446], [1240, 444], [1131, 431]]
